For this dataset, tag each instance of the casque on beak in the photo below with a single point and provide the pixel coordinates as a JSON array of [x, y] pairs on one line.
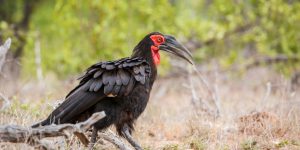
[[172, 46]]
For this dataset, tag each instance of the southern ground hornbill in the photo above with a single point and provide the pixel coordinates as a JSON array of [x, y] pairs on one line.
[[120, 88]]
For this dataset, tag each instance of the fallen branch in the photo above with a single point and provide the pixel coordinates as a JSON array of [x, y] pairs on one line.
[[32, 136], [272, 60], [194, 44]]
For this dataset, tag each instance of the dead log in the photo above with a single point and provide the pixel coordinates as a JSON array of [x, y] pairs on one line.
[[33, 136]]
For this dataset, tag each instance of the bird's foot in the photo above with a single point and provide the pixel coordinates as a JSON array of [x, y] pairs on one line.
[[128, 137]]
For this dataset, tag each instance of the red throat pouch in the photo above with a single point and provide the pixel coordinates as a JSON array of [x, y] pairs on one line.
[[155, 54]]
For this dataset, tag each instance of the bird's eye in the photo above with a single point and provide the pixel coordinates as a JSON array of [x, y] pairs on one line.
[[159, 40]]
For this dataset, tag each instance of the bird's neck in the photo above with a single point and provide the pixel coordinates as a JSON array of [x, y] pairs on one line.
[[146, 52]]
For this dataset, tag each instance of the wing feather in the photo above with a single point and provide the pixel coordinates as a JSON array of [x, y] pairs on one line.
[[124, 76], [98, 73], [98, 85]]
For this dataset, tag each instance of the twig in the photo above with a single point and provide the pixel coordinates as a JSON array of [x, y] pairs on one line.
[[295, 81], [38, 60], [108, 135], [272, 60], [212, 92], [6, 102], [216, 96], [3, 50], [205, 106], [267, 94]]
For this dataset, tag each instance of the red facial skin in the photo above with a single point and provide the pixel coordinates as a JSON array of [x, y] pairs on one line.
[[157, 40]]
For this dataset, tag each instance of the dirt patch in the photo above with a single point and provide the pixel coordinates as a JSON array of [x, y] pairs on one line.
[[259, 123]]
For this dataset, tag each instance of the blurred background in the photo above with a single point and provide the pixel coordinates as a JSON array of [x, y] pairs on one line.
[[72, 35], [248, 52]]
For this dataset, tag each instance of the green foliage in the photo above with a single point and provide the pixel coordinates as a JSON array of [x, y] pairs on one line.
[[295, 142], [171, 147], [249, 145], [197, 145], [282, 144], [11, 11], [76, 33]]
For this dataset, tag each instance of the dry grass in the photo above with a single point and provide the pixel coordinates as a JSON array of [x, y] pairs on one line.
[[257, 111]]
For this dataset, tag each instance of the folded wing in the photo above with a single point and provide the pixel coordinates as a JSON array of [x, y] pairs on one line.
[[104, 79]]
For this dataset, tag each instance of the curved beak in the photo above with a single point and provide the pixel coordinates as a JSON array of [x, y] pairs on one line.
[[172, 46]]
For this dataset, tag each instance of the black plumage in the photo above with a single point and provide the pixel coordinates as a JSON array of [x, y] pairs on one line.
[[120, 88], [99, 83]]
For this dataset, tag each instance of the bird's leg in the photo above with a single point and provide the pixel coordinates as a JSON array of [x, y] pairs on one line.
[[128, 137], [93, 138]]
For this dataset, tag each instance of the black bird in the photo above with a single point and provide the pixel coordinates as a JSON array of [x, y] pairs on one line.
[[120, 88]]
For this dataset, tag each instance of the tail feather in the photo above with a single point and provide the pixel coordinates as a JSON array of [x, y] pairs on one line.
[[72, 107]]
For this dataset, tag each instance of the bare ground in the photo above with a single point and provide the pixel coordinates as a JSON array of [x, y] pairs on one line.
[[256, 111]]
